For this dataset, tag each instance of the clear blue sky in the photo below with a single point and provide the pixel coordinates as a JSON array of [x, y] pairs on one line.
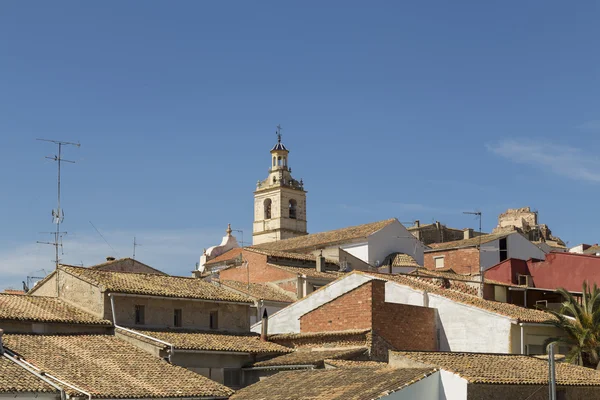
[[417, 111]]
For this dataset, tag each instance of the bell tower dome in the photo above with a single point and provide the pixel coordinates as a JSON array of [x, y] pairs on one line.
[[279, 200]]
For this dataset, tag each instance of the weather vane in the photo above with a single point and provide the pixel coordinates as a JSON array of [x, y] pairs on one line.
[[278, 133]]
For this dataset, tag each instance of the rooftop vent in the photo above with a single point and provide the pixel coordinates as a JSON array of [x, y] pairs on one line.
[[110, 258]]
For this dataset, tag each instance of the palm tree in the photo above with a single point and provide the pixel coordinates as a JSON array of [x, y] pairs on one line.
[[581, 325]]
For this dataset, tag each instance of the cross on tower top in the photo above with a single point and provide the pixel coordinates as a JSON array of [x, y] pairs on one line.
[[278, 133]]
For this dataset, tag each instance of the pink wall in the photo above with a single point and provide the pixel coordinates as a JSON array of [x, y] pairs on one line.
[[566, 270]]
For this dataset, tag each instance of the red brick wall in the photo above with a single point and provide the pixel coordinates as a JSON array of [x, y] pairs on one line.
[[405, 327], [259, 270], [352, 310], [462, 261]]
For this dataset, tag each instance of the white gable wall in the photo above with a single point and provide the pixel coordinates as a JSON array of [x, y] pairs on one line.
[[394, 238], [452, 386], [426, 388], [358, 250], [521, 248]]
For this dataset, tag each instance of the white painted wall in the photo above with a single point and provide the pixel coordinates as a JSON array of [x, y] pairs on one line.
[[460, 327], [394, 238], [358, 250], [287, 320], [425, 389], [465, 328], [490, 254], [452, 387]]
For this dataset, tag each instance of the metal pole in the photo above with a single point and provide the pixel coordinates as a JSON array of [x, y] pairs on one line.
[[551, 372]]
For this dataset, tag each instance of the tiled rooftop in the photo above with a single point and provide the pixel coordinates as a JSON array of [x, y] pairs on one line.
[[44, 309], [307, 335], [235, 254], [356, 364], [155, 285], [16, 379], [504, 369], [261, 291], [400, 260], [457, 244], [125, 261], [517, 313], [329, 238], [310, 272], [312, 357], [210, 341], [333, 384], [107, 367]]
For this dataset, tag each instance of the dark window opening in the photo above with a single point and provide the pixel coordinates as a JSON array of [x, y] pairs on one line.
[[293, 209], [503, 249], [214, 320], [267, 211], [140, 315], [232, 377], [177, 322]]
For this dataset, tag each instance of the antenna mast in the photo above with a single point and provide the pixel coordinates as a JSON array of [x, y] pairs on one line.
[[135, 244], [58, 215]]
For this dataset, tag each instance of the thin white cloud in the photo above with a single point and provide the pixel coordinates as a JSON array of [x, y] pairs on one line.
[[566, 161], [173, 251]]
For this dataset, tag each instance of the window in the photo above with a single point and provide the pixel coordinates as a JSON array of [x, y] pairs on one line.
[[140, 315], [177, 317], [214, 320], [267, 206], [279, 161], [503, 249], [232, 377], [274, 161], [439, 262], [293, 209]]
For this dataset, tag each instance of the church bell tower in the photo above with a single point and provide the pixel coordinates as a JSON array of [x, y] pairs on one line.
[[279, 201]]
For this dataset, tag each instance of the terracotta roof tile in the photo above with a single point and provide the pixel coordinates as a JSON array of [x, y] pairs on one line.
[[210, 341], [44, 309], [307, 335], [458, 244], [333, 384], [310, 272], [107, 367], [124, 261], [290, 255], [504, 368], [261, 291], [155, 285], [329, 238], [356, 364], [14, 378], [400, 260], [312, 357]]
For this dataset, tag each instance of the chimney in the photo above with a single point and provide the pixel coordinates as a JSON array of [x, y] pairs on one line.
[[390, 265], [417, 223], [468, 233], [110, 258], [264, 329], [1, 346], [320, 262]]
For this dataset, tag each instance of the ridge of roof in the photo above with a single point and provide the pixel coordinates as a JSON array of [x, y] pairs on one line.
[[309, 271], [97, 266], [317, 240], [472, 242], [155, 285], [490, 368], [262, 291]]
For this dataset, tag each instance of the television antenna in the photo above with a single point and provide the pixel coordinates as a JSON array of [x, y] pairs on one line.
[[135, 244], [478, 215], [58, 214]]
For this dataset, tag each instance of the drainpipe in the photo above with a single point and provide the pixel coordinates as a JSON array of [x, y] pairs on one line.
[[522, 339], [114, 318], [264, 329]]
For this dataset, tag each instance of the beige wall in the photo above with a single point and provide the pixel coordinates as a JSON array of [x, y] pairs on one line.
[[196, 314], [81, 294], [48, 288], [534, 335]]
